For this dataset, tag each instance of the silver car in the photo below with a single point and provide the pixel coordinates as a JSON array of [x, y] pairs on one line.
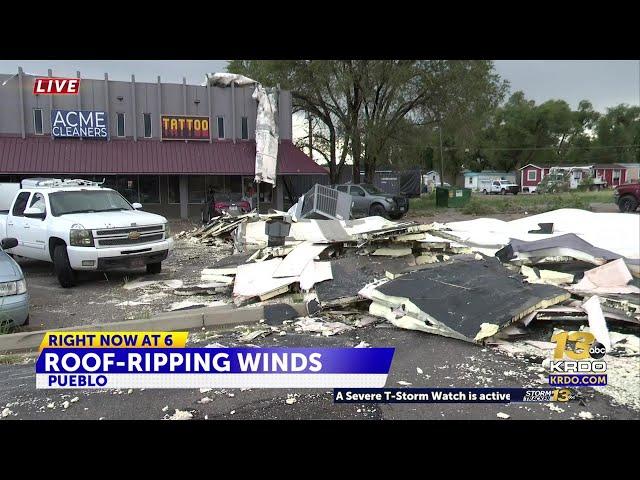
[[14, 298], [369, 200]]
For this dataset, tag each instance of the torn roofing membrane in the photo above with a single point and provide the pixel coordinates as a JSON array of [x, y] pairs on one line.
[[457, 299], [615, 232], [569, 245]]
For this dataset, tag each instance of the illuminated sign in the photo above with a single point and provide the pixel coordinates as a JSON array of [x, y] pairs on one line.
[[185, 127], [79, 124], [56, 86]]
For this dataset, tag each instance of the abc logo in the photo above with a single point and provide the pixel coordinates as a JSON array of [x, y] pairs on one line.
[[597, 350]]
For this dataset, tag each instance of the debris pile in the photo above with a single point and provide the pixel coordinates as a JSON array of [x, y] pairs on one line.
[[484, 281], [467, 280]]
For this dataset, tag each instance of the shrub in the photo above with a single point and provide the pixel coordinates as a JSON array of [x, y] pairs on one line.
[[477, 207]]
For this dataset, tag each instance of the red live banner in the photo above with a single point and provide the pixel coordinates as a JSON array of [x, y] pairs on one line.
[[56, 86], [185, 127]]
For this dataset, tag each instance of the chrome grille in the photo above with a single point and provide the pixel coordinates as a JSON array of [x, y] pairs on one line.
[[125, 231], [128, 236], [110, 242]]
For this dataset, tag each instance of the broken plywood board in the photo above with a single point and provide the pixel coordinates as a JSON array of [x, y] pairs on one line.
[[219, 271], [315, 272], [612, 277], [457, 298], [294, 263], [392, 251], [409, 237], [255, 279], [551, 277]]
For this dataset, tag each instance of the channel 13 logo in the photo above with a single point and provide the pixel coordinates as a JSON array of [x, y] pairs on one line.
[[585, 346], [577, 361]]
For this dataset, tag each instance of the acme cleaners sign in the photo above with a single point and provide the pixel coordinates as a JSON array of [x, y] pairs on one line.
[[185, 127], [79, 124]]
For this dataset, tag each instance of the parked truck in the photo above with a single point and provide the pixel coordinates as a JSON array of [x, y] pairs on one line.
[[501, 187], [80, 225], [627, 197]]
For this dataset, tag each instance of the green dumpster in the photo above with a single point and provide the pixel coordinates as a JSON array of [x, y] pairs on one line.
[[452, 196]]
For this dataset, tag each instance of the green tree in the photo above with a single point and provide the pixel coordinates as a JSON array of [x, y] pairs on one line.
[[617, 135]]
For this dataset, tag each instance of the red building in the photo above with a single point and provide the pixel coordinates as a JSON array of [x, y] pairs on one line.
[[612, 173], [530, 177]]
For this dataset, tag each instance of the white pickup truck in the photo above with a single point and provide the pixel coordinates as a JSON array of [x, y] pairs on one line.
[[501, 187], [79, 225]]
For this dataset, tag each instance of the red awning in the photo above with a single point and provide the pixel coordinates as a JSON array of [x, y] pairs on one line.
[[44, 155]]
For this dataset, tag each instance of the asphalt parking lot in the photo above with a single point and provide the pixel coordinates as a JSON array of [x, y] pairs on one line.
[[421, 360]]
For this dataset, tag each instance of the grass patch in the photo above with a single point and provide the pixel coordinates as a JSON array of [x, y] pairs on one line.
[[12, 359], [477, 206], [425, 205]]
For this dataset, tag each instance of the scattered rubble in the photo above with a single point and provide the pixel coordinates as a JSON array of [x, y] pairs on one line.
[[503, 415], [484, 281], [181, 415]]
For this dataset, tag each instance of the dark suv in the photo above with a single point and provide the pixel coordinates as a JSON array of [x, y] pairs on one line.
[[627, 197], [369, 200]]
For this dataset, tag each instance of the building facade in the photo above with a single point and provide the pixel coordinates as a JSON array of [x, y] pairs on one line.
[[633, 172], [611, 173], [165, 145], [530, 176]]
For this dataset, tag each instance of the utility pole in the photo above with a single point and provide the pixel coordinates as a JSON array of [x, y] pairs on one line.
[[441, 156], [310, 135]]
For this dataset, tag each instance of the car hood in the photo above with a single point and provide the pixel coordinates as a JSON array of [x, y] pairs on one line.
[[9, 269], [125, 218]]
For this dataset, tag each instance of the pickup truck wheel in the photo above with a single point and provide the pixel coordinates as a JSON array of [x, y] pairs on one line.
[[485, 192], [64, 272], [377, 210], [503, 192], [154, 268], [627, 204]]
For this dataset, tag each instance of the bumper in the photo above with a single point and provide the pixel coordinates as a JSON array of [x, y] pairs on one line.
[[15, 309], [398, 208], [118, 258]]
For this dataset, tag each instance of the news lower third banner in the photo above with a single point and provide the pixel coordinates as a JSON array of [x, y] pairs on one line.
[[71, 360], [451, 395]]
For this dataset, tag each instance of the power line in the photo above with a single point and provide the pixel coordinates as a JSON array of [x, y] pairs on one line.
[[594, 147]]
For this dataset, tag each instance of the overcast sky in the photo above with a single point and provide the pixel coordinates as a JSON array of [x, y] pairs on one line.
[[604, 82]]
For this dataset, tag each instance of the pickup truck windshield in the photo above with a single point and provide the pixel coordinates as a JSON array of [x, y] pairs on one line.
[[371, 189], [87, 201]]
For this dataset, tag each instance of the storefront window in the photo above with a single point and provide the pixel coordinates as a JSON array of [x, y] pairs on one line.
[[173, 189], [149, 189], [197, 189], [128, 187]]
